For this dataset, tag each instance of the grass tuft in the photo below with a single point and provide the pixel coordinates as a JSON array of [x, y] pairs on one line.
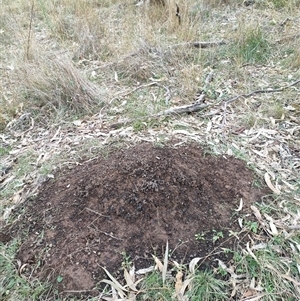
[[271, 271], [55, 86], [207, 287], [252, 45], [12, 285]]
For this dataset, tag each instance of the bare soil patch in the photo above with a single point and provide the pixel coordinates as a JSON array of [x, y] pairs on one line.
[[133, 201]]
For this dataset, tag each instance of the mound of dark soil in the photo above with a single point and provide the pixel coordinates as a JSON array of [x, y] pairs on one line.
[[133, 201]]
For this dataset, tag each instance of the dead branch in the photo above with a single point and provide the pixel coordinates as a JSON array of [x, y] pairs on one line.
[[208, 44], [173, 111], [199, 44], [183, 109], [246, 95], [154, 83], [230, 100], [198, 105]]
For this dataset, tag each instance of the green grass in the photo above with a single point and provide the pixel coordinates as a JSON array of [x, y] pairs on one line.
[[4, 151], [252, 226], [278, 4], [12, 285], [154, 288], [23, 166], [207, 287], [270, 271], [253, 46], [204, 286]]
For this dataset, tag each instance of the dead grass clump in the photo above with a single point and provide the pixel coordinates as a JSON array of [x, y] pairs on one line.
[[54, 84], [139, 67], [5, 34], [14, 21], [100, 32]]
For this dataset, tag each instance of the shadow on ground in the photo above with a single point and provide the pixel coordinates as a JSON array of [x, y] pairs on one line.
[[133, 201]]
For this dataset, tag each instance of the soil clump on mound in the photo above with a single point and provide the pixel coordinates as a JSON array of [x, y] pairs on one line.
[[132, 202]]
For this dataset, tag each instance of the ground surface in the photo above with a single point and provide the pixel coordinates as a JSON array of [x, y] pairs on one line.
[[133, 201], [83, 76]]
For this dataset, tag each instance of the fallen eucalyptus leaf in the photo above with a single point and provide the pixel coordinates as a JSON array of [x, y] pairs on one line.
[[165, 266], [178, 283], [240, 207], [270, 185], [193, 264], [158, 263]]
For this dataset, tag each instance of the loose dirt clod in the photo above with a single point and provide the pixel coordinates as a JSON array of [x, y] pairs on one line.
[[134, 201]]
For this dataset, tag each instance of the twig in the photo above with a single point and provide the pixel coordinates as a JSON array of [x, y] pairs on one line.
[[98, 213], [133, 90], [208, 44], [230, 100], [173, 111], [105, 233], [29, 30], [195, 107], [245, 95], [199, 44], [78, 291], [183, 109], [108, 234], [208, 79]]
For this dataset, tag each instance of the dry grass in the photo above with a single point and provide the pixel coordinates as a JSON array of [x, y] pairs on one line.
[[54, 84], [73, 69], [58, 46]]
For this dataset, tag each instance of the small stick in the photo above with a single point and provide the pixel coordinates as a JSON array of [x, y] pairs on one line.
[[208, 44], [230, 100], [183, 109], [100, 214], [195, 107], [108, 234], [133, 90], [78, 291], [105, 233], [178, 14], [199, 44], [29, 30]]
